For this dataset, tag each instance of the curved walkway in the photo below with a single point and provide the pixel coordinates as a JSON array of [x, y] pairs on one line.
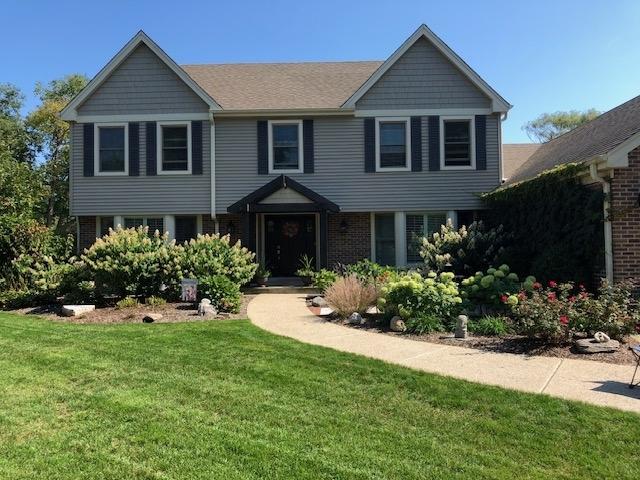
[[593, 382]]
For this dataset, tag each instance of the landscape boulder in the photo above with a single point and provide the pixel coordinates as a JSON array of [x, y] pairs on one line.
[[397, 324], [355, 319], [591, 345], [75, 310], [319, 302], [152, 317]]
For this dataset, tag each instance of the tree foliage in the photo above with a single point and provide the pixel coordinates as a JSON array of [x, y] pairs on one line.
[[551, 125]]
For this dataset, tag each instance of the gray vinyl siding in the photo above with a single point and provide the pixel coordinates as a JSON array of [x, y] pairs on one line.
[[142, 84], [339, 170], [423, 78], [159, 194]]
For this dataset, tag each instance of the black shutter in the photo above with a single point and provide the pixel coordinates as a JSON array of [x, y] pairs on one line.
[[87, 159], [369, 145], [416, 144], [307, 140], [481, 142], [134, 149], [152, 154], [434, 142], [263, 147], [196, 147]]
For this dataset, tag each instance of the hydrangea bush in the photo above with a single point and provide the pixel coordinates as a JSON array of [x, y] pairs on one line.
[[495, 289]]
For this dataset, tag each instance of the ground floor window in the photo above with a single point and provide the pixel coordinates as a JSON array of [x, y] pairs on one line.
[[417, 226], [385, 238], [104, 224], [186, 228], [154, 223]]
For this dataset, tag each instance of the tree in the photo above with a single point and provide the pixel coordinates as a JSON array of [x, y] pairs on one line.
[[551, 125], [49, 136], [13, 134]]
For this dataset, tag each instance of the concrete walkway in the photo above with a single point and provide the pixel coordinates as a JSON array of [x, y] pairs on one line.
[[593, 382]]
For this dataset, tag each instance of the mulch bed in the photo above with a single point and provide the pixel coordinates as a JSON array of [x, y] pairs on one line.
[[506, 344], [171, 313]]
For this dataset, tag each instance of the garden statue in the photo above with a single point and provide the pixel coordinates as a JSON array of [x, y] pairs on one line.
[[461, 326]]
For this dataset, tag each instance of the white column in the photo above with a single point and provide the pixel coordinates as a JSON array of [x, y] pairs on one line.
[[400, 233], [170, 226]]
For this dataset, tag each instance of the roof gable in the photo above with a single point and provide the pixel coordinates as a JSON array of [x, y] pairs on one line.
[[497, 103], [138, 45]]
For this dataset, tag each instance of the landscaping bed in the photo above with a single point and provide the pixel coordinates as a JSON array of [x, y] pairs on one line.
[[171, 313]]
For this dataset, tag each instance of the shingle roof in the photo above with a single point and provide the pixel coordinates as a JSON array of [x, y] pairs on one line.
[[257, 86], [597, 137], [514, 155]]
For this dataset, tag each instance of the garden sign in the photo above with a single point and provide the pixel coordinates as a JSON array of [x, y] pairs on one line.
[[189, 289]]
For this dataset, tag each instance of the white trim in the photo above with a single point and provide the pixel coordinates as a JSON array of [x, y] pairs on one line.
[[96, 149], [619, 156], [472, 146], [407, 131], [144, 117], [212, 159], [498, 104], [400, 227], [372, 227], [422, 112], [70, 111], [300, 168], [159, 126]]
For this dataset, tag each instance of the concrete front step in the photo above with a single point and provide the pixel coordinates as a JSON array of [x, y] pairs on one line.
[[281, 289]]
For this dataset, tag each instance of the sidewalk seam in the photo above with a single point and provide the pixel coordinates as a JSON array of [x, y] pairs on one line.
[[553, 374]]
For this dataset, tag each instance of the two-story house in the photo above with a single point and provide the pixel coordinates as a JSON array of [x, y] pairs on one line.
[[337, 160]]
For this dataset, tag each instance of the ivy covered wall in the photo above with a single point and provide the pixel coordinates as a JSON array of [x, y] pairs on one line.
[[556, 223]]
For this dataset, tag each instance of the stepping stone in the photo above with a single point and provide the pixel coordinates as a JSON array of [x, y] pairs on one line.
[[75, 310], [591, 345]]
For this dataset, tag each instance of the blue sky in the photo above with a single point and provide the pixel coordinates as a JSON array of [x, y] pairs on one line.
[[541, 56]]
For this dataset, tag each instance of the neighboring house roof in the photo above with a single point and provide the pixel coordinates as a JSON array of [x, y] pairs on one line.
[[282, 86], [613, 134], [514, 155]]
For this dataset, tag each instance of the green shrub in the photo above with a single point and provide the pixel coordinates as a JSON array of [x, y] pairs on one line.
[[127, 302], [424, 323], [210, 255], [411, 295], [131, 262], [14, 299], [83, 292], [463, 251], [154, 301], [324, 278], [367, 271], [495, 290], [223, 292], [489, 326], [349, 295]]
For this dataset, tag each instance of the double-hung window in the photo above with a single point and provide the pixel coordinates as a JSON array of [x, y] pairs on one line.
[[285, 146], [154, 223], [393, 145], [174, 147], [111, 149], [457, 141], [385, 238], [418, 226]]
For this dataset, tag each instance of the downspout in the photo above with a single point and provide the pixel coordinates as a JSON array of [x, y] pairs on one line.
[[212, 151], [608, 235]]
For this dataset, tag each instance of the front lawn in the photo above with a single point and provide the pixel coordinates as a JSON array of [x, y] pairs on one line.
[[223, 399]]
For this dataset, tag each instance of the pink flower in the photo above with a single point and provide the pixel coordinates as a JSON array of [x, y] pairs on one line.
[[504, 298], [552, 284], [564, 320], [522, 296], [572, 299], [551, 296], [537, 285]]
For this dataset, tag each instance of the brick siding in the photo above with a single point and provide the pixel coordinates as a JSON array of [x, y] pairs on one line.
[[232, 221], [352, 245], [87, 232], [625, 212]]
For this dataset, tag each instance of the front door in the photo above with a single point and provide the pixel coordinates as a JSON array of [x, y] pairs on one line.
[[286, 239]]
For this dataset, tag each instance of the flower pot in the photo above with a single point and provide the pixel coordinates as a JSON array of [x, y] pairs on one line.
[[262, 281]]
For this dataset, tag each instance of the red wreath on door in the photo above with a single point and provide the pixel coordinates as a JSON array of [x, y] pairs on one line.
[[290, 229]]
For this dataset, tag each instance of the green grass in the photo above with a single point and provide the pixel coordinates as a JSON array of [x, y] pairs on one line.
[[226, 400]]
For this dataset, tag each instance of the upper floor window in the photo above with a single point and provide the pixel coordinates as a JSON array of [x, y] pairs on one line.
[[457, 143], [174, 147], [393, 144], [111, 149], [285, 146]]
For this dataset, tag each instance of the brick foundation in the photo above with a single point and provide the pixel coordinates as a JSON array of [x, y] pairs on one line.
[[625, 213], [87, 232], [352, 245]]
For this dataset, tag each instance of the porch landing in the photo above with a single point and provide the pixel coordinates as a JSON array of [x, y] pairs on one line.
[[282, 285]]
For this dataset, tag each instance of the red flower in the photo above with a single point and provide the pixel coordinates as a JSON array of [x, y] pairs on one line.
[[552, 284], [564, 320], [537, 285], [572, 298], [504, 298], [551, 296]]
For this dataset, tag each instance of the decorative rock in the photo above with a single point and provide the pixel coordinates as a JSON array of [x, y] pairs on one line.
[[75, 310], [591, 345], [397, 324], [355, 319], [319, 302], [373, 310], [325, 311], [461, 326], [152, 317], [601, 337]]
